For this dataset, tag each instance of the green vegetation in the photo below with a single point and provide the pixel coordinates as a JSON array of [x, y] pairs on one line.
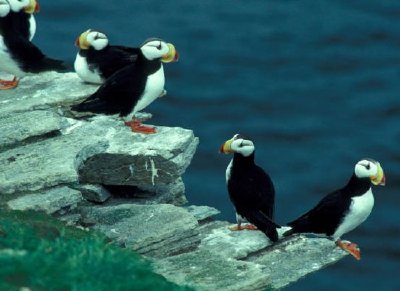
[[41, 253]]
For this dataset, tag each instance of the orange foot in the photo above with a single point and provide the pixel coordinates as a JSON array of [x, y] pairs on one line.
[[238, 227], [8, 84], [137, 126], [350, 247]]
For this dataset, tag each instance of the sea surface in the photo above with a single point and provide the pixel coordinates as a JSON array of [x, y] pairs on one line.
[[315, 85]]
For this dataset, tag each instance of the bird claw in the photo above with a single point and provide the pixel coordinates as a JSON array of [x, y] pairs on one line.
[[8, 84], [351, 248], [137, 126], [238, 227]]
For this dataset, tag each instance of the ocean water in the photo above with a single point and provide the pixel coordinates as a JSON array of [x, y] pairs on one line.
[[315, 84]]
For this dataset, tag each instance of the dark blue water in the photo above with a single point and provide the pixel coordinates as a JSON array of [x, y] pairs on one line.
[[316, 84]]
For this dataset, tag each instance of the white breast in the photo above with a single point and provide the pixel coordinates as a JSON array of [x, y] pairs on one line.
[[360, 209], [82, 69], [154, 87], [228, 171], [32, 27], [7, 64]]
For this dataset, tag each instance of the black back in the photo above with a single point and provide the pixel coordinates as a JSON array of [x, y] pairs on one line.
[[253, 194], [121, 92], [110, 59], [330, 211]]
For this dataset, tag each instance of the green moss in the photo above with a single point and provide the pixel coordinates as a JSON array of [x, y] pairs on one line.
[[41, 253]]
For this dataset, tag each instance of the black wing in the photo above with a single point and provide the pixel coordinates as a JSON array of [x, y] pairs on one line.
[[324, 217], [112, 59], [118, 94], [30, 58], [253, 195]]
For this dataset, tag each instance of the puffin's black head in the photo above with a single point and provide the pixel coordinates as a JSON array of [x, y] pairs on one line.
[[4, 8], [91, 39], [369, 168], [27, 6], [155, 48], [238, 144]]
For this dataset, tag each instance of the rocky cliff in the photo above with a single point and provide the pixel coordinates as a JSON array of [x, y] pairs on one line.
[[94, 172]]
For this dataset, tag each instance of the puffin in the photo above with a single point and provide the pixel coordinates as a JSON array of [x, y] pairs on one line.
[[250, 188], [133, 87], [344, 209], [18, 55], [97, 60]]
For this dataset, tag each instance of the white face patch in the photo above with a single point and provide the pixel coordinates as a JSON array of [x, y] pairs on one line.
[[4, 8], [243, 146], [366, 168], [154, 49], [97, 40]]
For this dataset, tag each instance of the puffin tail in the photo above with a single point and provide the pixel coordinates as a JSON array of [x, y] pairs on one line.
[[265, 224], [54, 65], [289, 232], [95, 106]]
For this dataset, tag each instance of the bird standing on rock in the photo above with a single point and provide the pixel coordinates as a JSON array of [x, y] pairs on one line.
[[345, 209], [97, 60], [250, 188], [133, 87], [18, 55]]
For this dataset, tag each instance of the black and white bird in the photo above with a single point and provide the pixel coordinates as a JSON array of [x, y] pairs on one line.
[[133, 87], [18, 55], [250, 188], [343, 210], [97, 59]]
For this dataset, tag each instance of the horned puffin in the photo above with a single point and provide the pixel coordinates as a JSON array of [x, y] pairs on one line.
[[18, 56], [343, 210], [133, 87], [250, 188], [97, 60]]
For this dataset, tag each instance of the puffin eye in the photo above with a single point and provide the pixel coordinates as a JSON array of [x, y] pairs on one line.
[[159, 46], [368, 166]]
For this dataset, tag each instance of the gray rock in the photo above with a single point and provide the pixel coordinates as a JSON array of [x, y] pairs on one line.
[[202, 213], [120, 157], [18, 127], [41, 165], [234, 244], [294, 258], [49, 201], [136, 159], [173, 193], [94, 193], [41, 91], [204, 270], [153, 230]]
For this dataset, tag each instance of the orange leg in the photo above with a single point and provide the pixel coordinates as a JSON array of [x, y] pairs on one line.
[[137, 126], [239, 227], [350, 247], [8, 84]]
